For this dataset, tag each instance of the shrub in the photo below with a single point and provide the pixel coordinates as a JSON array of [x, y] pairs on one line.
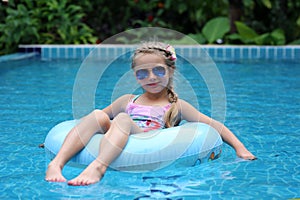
[[43, 22]]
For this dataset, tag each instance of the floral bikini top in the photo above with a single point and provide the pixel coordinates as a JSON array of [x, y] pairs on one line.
[[147, 117]]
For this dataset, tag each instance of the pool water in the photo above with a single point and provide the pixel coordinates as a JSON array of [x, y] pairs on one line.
[[263, 104]]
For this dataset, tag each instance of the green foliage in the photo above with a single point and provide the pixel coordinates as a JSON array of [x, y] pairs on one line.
[[18, 27], [245, 31], [63, 23], [43, 22], [190, 17], [213, 30], [108, 18], [190, 39], [295, 42], [267, 3], [263, 22], [265, 16], [197, 37], [134, 36], [216, 29], [277, 37], [248, 36]]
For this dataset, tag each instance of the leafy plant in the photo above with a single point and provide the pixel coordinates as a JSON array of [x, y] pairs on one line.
[[248, 36], [190, 39], [63, 23], [266, 16], [215, 29], [18, 27], [73, 21], [245, 33], [134, 36], [43, 22]]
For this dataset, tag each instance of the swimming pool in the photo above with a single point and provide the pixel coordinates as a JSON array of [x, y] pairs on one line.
[[263, 103]]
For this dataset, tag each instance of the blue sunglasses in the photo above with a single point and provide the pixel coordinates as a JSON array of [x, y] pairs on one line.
[[144, 73]]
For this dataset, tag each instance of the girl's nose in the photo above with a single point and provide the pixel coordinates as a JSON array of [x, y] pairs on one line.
[[151, 75]]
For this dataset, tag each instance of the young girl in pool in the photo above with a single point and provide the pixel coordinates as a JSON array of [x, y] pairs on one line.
[[158, 107]]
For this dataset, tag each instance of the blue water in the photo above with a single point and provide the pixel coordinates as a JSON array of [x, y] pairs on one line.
[[263, 104]]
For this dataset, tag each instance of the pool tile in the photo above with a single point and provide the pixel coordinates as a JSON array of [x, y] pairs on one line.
[[215, 51], [297, 53]]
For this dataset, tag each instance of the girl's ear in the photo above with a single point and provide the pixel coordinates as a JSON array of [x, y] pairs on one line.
[[171, 71]]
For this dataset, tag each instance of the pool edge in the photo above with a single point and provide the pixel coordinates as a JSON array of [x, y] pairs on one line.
[[217, 52], [18, 56]]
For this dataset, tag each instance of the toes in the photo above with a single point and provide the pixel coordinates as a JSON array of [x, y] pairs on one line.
[[81, 182], [55, 180]]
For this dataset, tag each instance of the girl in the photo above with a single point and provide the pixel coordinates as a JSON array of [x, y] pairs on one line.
[[158, 107]]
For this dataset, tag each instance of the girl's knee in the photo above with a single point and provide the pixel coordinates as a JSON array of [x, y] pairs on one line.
[[102, 118], [100, 115], [123, 117], [123, 122]]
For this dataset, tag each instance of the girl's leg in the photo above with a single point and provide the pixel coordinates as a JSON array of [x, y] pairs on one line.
[[77, 138], [111, 146]]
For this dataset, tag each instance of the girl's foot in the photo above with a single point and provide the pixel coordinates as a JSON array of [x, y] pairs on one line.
[[92, 174], [245, 154], [54, 174]]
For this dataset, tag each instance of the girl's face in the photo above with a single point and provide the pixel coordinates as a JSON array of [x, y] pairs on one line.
[[151, 72]]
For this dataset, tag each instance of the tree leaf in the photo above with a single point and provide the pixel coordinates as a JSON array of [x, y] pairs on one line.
[[267, 3], [295, 42], [234, 36], [247, 34], [264, 39], [298, 21], [278, 37], [216, 28], [182, 7], [198, 37]]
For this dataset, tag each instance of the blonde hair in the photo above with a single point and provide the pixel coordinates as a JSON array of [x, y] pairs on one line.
[[160, 49]]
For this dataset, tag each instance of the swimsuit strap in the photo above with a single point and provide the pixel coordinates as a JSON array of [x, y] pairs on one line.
[[135, 98]]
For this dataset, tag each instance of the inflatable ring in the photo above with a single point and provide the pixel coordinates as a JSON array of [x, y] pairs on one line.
[[185, 145]]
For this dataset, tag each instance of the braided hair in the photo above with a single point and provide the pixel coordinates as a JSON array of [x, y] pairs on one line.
[[168, 53]]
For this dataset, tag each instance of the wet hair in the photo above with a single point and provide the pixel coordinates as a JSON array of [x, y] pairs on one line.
[[160, 49]]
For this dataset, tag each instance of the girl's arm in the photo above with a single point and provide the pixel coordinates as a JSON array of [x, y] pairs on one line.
[[118, 106], [191, 114]]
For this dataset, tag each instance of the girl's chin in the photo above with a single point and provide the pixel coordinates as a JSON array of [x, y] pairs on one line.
[[155, 91]]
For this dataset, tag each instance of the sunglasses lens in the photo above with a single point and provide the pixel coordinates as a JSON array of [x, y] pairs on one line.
[[142, 73], [159, 71]]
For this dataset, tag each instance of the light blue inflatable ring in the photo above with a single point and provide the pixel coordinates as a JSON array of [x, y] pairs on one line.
[[185, 145]]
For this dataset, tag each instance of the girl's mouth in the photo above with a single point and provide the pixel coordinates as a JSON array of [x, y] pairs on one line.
[[152, 84]]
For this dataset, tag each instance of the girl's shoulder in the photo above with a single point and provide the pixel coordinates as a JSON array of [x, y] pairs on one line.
[[181, 101], [118, 105], [125, 98], [182, 104], [129, 97]]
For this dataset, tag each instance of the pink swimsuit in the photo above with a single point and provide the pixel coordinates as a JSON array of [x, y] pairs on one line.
[[147, 117]]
